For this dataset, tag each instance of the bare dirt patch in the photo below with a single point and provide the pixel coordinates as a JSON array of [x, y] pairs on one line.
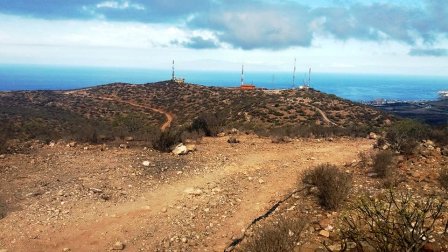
[[87, 199]]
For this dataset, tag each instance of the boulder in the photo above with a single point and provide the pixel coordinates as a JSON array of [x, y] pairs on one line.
[[444, 151], [232, 139], [373, 135], [180, 149]]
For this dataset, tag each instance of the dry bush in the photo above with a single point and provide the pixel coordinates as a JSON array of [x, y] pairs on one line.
[[165, 140], [391, 222], [3, 209], [383, 164], [333, 185], [443, 178], [364, 159], [403, 136], [281, 235]]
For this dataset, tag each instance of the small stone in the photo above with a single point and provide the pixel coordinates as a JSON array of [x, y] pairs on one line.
[[146, 163], [72, 144], [118, 246], [66, 249], [164, 210], [324, 233], [193, 191], [3, 250], [233, 140], [123, 146], [129, 138], [261, 181], [86, 148], [184, 240], [96, 190], [2, 156]]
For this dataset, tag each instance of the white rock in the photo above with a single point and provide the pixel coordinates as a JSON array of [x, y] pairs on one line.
[[180, 149], [146, 163], [193, 191], [118, 246]]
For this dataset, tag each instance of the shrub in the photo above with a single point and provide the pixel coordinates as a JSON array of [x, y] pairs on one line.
[[443, 178], [391, 222], [2, 210], [280, 236], [165, 140], [210, 124], [403, 136], [333, 185], [383, 164]]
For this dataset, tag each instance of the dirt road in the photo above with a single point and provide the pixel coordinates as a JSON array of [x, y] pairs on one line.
[[198, 203]]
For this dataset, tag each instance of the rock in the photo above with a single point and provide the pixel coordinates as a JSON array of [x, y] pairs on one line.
[[52, 144], [444, 151], [431, 247], [3, 250], [66, 249], [2, 156], [324, 223], [129, 139], [72, 144], [222, 134], [193, 191], [118, 246], [180, 149], [184, 240], [123, 146], [261, 181], [105, 197], [373, 135], [324, 233], [164, 210], [388, 122], [232, 140], [191, 147], [95, 190], [234, 131], [145, 163]]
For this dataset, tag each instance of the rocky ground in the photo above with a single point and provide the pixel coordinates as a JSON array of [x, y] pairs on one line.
[[98, 198]]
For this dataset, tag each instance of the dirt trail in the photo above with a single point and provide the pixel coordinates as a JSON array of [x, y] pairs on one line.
[[198, 210], [324, 116], [169, 117]]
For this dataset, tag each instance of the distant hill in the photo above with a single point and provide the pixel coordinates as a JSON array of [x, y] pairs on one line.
[[119, 110]]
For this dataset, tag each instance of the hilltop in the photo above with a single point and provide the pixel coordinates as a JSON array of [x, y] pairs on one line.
[[123, 110], [91, 170]]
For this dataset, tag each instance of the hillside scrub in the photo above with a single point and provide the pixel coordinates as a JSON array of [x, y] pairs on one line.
[[278, 236], [391, 222], [333, 185], [404, 136]]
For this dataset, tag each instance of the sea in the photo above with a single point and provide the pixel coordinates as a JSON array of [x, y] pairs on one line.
[[355, 87]]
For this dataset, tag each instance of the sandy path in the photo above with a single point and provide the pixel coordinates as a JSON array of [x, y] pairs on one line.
[[240, 183]]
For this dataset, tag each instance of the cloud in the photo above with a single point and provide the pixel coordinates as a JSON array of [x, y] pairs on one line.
[[265, 26], [434, 52], [261, 24], [198, 42], [119, 5]]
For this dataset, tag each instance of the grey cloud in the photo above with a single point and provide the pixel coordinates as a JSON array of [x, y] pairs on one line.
[[263, 24], [200, 43], [435, 52]]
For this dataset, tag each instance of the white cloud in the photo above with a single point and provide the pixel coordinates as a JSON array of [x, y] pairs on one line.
[[120, 5]]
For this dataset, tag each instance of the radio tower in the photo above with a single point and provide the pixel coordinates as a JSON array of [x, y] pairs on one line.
[[294, 75], [172, 75], [309, 77]]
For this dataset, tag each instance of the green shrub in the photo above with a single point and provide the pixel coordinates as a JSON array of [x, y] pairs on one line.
[[280, 236], [391, 222], [403, 136], [383, 164], [333, 185]]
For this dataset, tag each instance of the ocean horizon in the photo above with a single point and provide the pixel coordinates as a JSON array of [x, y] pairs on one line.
[[355, 87]]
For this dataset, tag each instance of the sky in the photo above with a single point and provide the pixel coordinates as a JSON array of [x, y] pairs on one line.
[[335, 36]]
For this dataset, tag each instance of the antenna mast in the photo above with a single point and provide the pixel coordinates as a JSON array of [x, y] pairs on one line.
[[242, 74], [294, 75], [309, 77], [172, 75]]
